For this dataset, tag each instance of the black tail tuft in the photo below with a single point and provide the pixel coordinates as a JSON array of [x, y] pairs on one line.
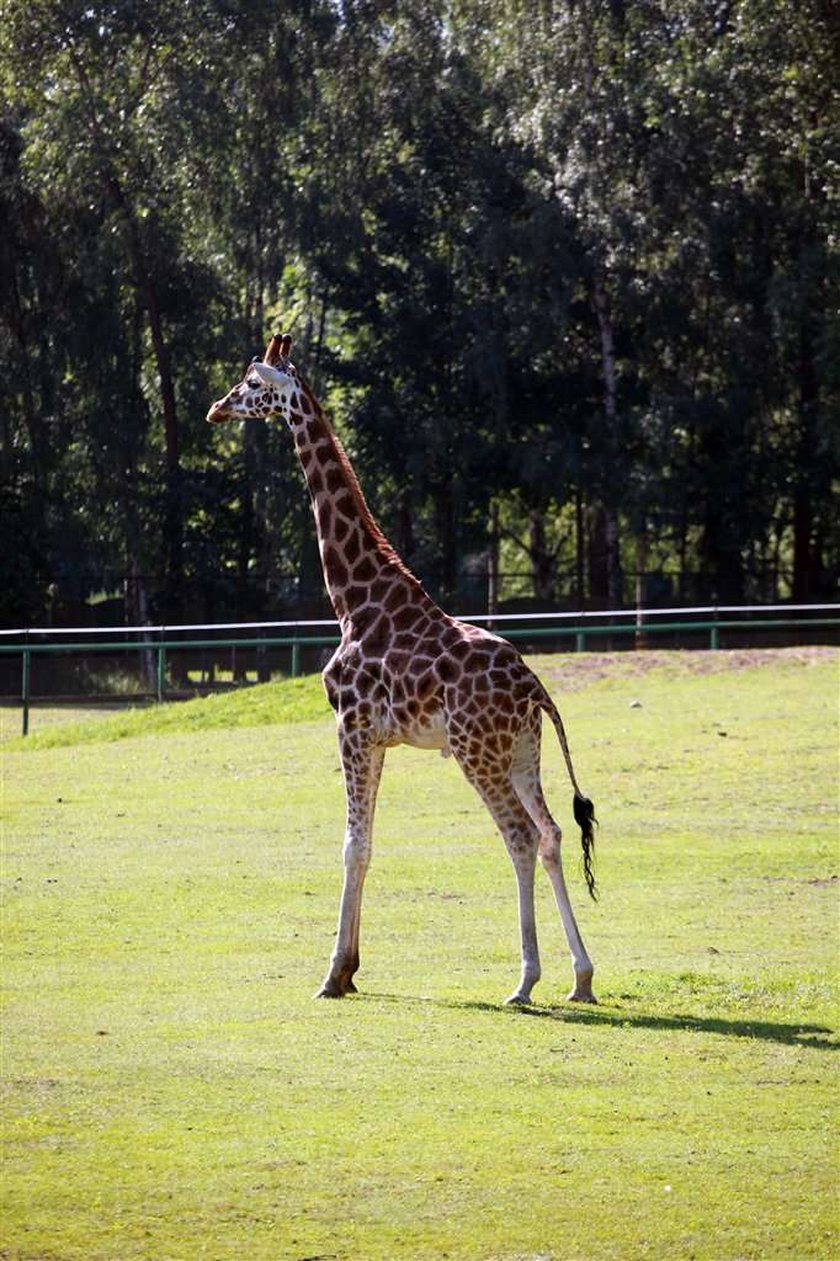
[[585, 819]]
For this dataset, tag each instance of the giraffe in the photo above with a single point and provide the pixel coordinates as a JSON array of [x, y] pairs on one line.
[[406, 672]]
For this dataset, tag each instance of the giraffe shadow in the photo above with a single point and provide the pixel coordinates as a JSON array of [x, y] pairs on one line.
[[814, 1037]]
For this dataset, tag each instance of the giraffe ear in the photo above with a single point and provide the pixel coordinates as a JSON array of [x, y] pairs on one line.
[[267, 374], [274, 349]]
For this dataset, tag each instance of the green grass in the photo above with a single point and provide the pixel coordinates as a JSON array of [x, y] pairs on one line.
[[294, 700], [172, 1091]]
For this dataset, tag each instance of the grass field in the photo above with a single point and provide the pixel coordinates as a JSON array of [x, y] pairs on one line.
[[170, 885]]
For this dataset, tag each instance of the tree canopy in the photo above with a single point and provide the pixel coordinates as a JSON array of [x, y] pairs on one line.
[[565, 273]]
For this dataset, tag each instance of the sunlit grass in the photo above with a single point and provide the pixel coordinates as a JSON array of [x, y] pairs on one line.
[[292, 700], [172, 1090]]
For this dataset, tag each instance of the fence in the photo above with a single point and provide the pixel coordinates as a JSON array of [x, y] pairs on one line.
[[711, 622]]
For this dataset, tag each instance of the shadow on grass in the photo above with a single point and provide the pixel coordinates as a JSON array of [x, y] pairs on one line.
[[815, 1037]]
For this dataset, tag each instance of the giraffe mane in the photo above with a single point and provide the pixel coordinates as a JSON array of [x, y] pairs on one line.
[[385, 549]]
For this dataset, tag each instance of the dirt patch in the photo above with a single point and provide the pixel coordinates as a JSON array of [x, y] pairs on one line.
[[572, 671]]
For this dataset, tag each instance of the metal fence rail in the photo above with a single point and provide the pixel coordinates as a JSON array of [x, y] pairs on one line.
[[580, 627]]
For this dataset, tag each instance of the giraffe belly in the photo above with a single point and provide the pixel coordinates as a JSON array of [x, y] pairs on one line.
[[429, 734]]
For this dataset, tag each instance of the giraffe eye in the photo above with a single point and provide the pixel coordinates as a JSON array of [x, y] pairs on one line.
[[254, 383]]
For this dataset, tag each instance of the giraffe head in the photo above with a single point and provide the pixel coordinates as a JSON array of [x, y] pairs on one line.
[[270, 387]]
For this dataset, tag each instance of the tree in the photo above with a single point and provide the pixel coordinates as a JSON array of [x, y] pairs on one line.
[[565, 275]]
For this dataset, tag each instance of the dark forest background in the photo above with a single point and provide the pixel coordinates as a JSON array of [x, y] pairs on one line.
[[565, 274]]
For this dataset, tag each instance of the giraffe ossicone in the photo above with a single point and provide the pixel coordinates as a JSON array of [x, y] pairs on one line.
[[406, 672]]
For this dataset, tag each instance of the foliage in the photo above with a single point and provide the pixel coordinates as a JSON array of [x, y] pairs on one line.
[[565, 265]]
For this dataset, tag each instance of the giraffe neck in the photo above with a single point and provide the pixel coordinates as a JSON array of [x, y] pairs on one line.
[[359, 564]]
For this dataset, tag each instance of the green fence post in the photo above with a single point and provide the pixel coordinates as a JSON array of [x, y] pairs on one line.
[[580, 641], [714, 637], [161, 671], [24, 688], [295, 658]]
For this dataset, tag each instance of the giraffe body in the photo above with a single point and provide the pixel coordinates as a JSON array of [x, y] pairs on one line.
[[406, 672]]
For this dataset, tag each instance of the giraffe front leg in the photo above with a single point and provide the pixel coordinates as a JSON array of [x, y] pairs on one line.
[[344, 961], [362, 766]]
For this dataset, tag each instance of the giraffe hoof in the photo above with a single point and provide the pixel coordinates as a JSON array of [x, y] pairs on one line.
[[330, 989], [581, 995], [337, 987], [518, 1000]]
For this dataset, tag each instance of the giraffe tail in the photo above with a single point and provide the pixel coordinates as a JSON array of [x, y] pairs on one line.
[[584, 810], [586, 821]]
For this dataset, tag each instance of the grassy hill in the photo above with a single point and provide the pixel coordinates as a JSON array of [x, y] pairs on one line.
[[289, 700]]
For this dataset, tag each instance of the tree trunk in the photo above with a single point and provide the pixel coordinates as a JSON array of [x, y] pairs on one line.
[[405, 526], [173, 512], [641, 585], [137, 614], [603, 312], [803, 497], [539, 554], [597, 570], [173, 528], [580, 550], [446, 531], [493, 564]]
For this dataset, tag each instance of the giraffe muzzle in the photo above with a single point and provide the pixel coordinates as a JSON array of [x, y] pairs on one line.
[[217, 413]]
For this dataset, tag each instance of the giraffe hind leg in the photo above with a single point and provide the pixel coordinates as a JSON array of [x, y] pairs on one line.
[[528, 786], [493, 783]]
